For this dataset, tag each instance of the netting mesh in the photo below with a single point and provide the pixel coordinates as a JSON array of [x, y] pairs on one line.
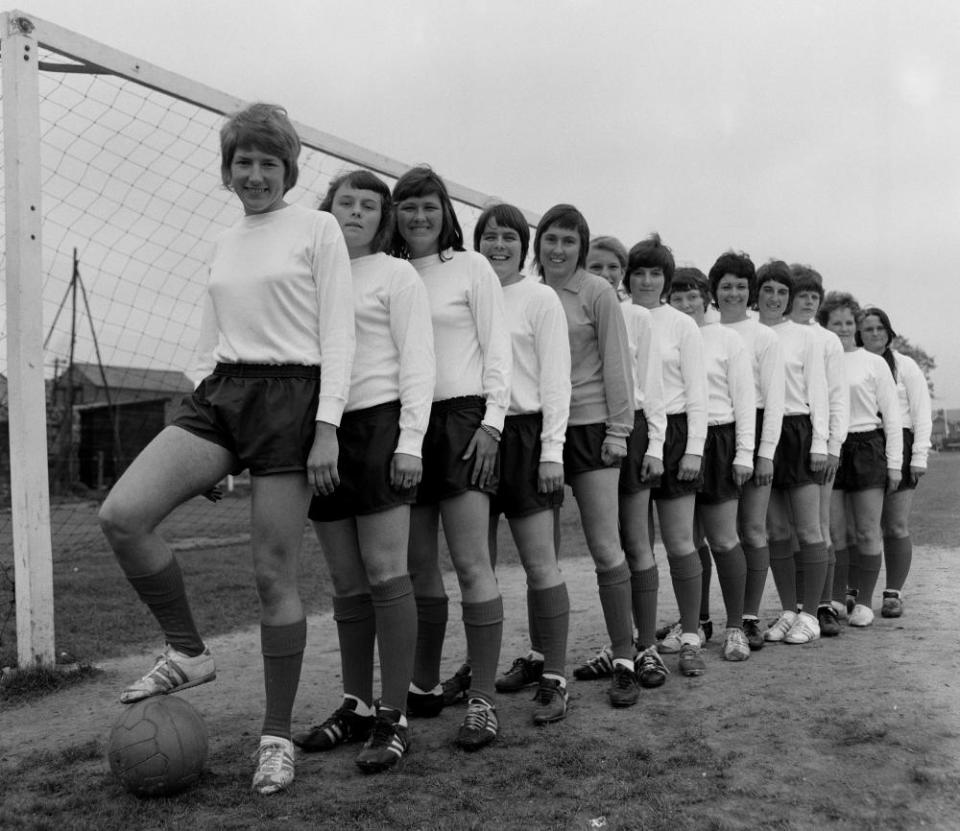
[[131, 185]]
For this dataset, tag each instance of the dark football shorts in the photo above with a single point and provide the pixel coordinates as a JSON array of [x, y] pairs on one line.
[[368, 440], [791, 460], [674, 449], [446, 474], [637, 443], [582, 450], [517, 493], [863, 462], [719, 451], [264, 414]]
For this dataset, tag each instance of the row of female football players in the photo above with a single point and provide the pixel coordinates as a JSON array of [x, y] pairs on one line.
[[475, 391], [731, 429]]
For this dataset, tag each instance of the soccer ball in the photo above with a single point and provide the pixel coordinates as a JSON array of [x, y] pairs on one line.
[[158, 746]]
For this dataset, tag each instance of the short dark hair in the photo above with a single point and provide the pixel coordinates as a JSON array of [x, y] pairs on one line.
[[365, 180], [423, 181], [806, 278], [689, 278], [651, 253], [835, 300], [565, 216], [740, 266], [506, 216], [263, 127], [777, 271]]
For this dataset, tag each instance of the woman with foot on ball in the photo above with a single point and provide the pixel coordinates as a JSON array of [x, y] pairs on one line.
[[272, 373], [460, 449], [364, 524], [876, 335]]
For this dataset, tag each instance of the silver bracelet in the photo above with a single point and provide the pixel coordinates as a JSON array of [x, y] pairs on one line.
[[493, 432]]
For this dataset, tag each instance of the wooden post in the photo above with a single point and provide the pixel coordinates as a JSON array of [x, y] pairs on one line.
[[29, 483]]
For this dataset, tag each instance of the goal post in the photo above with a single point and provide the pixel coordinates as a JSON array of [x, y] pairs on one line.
[[29, 491], [111, 184]]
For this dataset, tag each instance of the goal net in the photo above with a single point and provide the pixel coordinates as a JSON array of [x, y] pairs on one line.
[[127, 159]]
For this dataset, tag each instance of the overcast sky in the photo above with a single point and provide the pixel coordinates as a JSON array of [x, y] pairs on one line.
[[819, 132]]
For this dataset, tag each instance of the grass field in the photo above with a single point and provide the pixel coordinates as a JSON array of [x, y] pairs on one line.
[[861, 732]]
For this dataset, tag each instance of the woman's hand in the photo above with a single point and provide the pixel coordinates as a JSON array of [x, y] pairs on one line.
[[894, 475], [689, 468], [916, 473], [818, 462], [833, 462], [484, 448], [612, 452], [322, 473], [549, 477], [405, 471], [742, 474], [651, 468], [763, 472]]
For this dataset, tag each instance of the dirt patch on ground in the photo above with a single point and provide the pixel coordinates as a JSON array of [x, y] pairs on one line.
[[790, 739]]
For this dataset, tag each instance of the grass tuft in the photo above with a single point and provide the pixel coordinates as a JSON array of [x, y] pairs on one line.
[[22, 685]]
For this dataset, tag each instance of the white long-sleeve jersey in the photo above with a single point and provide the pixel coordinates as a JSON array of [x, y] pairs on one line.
[[769, 381], [280, 293], [873, 401], [541, 361], [470, 337], [394, 358], [731, 393], [647, 377]]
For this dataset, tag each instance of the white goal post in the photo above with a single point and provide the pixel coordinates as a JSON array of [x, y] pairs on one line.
[[44, 166]]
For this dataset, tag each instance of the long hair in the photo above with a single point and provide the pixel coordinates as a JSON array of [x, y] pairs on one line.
[[883, 317]]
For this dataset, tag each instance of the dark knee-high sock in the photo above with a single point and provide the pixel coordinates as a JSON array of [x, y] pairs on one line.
[[814, 559], [166, 597], [853, 569], [396, 616], [784, 573], [732, 573], [536, 639], [432, 615], [282, 648], [483, 626], [827, 593], [798, 577], [869, 572], [552, 610], [706, 573], [758, 564], [841, 574], [357, 631], [644, 586], [897, 554], [685, 575], [617, 605]]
